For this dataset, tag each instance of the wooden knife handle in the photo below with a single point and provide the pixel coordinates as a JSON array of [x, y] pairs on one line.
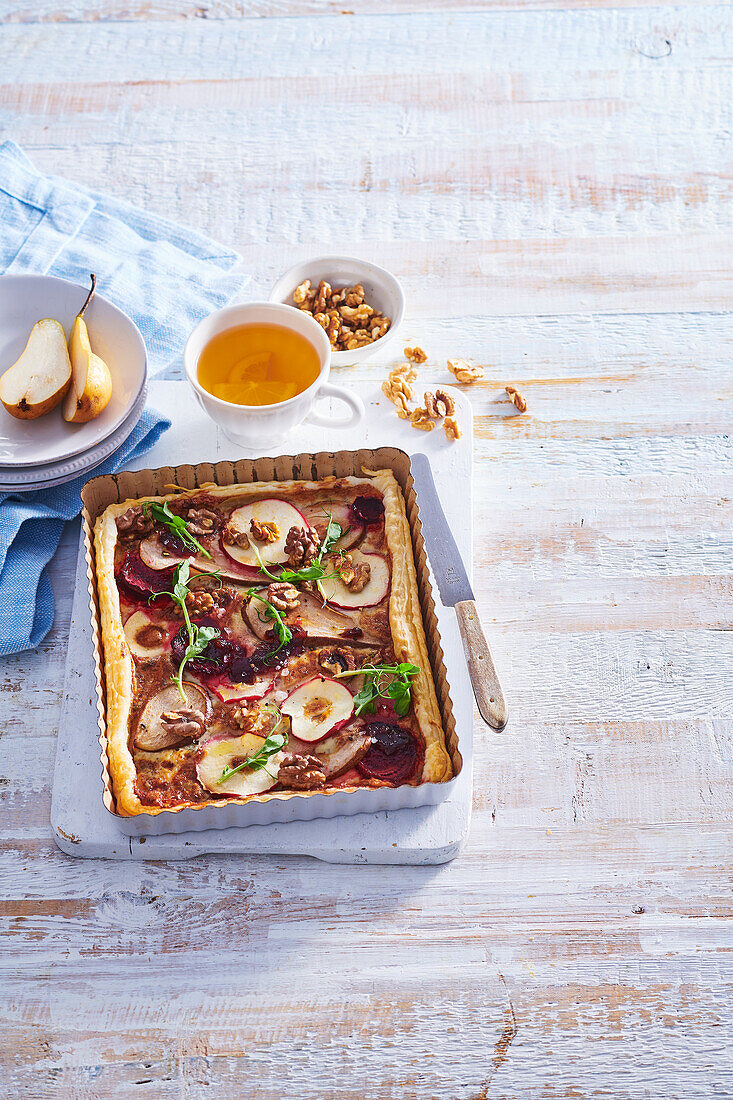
[[481, 669]]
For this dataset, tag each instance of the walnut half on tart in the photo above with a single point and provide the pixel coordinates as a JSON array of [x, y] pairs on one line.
[[277, 649]]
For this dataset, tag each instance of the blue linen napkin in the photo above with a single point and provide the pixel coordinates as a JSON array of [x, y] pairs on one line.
[[30, 529], [164, 276]]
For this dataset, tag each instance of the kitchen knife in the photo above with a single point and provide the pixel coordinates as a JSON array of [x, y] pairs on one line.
[[455, 591]]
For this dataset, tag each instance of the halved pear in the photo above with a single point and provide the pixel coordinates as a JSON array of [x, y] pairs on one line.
[[39, 379], [91, 382]]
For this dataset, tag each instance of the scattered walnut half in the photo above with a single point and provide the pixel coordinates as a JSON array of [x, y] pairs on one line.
[[516, 398], [355, 577], [439, 404], [415, 355], [234, 537], [183, 723], [283, 596], [264, 531], [202, 521], [464, 372], [450, 426], [301, 772], [199, 602], [421, 419], [399, 391], [134, 524], [336, 662], [258, 721], [403, 370], [301, 546], [398, 388]]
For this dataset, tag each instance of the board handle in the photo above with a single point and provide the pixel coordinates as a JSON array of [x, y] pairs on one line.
[[481, 667]]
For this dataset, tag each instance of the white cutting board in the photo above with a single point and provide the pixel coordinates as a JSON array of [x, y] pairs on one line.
[[431, 834]]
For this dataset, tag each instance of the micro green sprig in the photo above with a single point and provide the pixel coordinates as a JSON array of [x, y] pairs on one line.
[[272, 744], [198, 636], [386, 682], [175, 524], [282, 630]]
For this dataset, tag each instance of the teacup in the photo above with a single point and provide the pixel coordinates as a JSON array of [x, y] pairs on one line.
[[260, 426]]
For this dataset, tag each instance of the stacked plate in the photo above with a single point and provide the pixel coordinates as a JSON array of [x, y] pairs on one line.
[[35, 454]]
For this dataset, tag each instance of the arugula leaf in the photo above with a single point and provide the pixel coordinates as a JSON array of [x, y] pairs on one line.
[[176, 524], [261, 758], [385, 681]]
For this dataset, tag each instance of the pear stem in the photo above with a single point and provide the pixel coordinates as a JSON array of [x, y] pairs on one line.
[[90, 295]]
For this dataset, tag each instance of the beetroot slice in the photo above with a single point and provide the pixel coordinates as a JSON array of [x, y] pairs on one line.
[[368, 510], [392, 756], [140, 580], [224, 659]]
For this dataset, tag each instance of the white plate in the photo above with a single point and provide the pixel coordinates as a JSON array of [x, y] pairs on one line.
[[25, 299], [381, 290], [29, 479]]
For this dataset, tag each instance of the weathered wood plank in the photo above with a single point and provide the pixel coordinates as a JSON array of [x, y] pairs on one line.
[[463, 42], [49, 11]]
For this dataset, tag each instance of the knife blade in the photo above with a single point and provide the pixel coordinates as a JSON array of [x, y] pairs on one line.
[[456, 591]]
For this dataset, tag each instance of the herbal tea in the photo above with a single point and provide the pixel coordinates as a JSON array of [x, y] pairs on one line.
[[258, 364]]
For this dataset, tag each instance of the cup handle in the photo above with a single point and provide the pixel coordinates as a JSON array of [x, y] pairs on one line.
[[354, 402]]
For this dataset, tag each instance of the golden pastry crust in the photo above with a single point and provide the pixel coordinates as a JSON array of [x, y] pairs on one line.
[[405, 622], [408, 632]]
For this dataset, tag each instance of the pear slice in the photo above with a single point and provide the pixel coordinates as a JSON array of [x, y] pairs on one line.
[[91, 382], [39, 379]]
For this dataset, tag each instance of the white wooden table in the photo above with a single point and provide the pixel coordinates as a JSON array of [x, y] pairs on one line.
[[552, 182]]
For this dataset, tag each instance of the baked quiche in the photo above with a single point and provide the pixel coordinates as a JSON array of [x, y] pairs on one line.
[[264, 640]]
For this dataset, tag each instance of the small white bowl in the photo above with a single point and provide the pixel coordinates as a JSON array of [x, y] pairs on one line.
[[381, 290]]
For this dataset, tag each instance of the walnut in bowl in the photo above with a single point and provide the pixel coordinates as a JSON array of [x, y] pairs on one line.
[[378, 290]]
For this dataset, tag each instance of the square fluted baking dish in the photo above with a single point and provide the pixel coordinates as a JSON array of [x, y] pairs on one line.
[[98, 493]]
